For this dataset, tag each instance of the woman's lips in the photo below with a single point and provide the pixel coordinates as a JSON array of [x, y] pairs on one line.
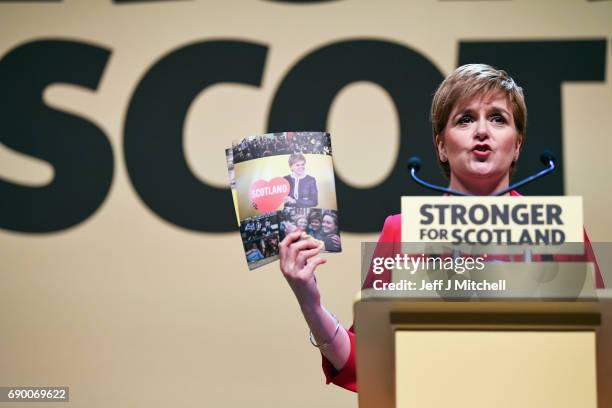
[[482, 151]]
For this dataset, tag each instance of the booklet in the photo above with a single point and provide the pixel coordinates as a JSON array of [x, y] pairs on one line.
[[283, 182]]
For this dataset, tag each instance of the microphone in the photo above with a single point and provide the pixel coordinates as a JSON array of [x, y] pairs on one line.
[[414, 162], [547, 158]]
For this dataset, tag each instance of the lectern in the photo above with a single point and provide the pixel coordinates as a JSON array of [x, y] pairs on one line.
[[523, 328], [533, 346]]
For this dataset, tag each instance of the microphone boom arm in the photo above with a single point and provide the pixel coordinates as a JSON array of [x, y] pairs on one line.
[[551, 167], [425, 184], [547, 158]]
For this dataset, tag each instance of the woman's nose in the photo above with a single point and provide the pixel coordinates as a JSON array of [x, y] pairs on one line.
[[482, 131]]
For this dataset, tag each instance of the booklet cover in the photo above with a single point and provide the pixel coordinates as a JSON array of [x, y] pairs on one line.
[[283, 182]]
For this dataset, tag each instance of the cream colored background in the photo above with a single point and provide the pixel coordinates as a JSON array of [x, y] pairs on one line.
[[130, 311]]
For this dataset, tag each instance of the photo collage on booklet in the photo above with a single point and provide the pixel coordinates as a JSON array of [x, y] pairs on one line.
[[281, 183]]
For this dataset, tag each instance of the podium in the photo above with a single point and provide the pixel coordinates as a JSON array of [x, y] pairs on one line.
[[544, 348]]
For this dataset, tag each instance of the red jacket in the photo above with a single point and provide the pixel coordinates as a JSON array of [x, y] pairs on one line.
[[391, 235]]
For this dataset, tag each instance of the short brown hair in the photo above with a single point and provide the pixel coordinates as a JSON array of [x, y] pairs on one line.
[[296, 157], [466, 82]]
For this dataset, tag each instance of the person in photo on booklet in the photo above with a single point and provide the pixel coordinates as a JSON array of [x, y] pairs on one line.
[[303, 188], [479, 122], [330, 230], [314, 225]]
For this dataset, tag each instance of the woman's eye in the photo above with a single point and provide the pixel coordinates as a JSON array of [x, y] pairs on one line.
[[464, 119], [498, 119]]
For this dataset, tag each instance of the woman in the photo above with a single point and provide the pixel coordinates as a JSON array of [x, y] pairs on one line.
[[301, 222], [302, 187], [297, 223], [314, 225], [329, 227], [479, 120]]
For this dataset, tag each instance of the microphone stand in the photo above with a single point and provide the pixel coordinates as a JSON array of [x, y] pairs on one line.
[[547, 158], [414, 165]]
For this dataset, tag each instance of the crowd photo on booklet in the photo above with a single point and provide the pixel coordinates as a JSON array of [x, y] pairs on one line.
[[321, 225], [273, 144]]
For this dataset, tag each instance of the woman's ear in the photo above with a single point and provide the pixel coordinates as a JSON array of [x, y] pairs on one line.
[[442, 156], [517, 147]]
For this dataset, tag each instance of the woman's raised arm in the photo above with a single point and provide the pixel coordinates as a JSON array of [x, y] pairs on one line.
[[298, 261]]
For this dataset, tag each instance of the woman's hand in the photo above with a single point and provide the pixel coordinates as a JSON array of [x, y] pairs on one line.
[[298, 261], [335, 239]]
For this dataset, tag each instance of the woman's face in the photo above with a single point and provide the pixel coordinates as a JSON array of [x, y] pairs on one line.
[[329, 226], [302, 223], [480, 140], [315, 224], [299, 168], [289, 227]]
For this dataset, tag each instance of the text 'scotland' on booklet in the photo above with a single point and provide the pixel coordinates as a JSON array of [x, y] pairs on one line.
[[283, 182]]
